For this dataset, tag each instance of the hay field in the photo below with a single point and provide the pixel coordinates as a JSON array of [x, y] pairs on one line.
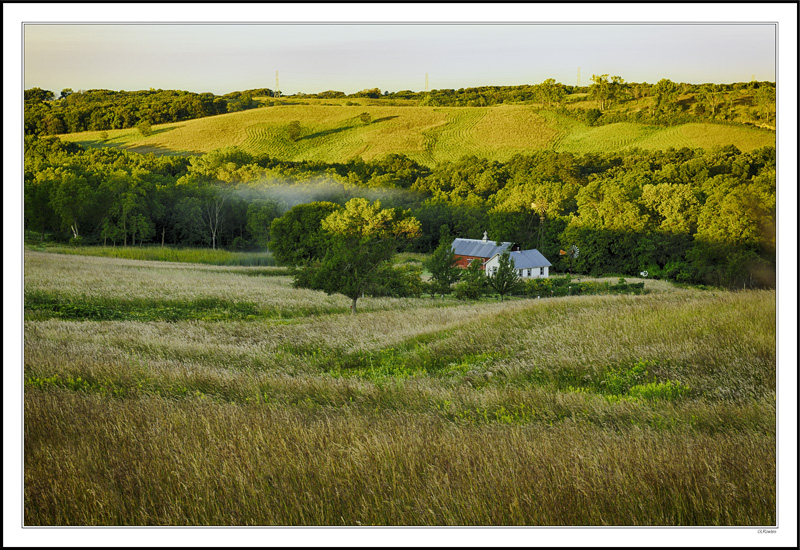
[[657, 409], [628, 135], [333, 132]]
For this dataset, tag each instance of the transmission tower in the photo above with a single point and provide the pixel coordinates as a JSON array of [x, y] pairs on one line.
[[277, 92]]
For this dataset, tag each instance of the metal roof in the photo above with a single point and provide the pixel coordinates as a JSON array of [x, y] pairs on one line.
[[478, 247], [524, 259]]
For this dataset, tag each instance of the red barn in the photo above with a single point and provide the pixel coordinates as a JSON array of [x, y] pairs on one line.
[[467, 250]]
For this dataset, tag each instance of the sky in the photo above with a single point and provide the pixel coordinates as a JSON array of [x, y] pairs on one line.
[[309, 58]]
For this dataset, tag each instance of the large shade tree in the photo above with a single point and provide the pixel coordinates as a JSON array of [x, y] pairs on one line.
[[364, 238]]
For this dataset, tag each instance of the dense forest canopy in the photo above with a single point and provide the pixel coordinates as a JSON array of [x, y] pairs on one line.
[[110, 110], [689, 215]]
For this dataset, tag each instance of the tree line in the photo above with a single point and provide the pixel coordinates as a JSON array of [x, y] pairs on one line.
[[693, 216], [670, 103], [110, 110]]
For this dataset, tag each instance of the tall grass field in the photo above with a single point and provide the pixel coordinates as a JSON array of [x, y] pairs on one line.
[[168, 254], [164, 393], [334, 132]]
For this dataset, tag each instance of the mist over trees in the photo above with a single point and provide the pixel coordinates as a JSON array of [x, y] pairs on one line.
[[687, 215]]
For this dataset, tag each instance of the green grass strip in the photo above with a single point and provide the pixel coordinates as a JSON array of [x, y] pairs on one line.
[[43, 305]]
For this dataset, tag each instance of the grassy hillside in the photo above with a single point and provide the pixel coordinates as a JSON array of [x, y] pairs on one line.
[[225, 398], [333, 132]]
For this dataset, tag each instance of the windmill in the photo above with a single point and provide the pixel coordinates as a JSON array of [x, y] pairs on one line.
[[571, 254]]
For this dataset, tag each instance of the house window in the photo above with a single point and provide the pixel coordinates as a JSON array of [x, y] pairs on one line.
[[520, 273], [530, 271], [541, 271]]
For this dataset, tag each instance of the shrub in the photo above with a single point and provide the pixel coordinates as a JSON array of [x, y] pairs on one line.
[[144, 127], [592, 115], [537, 287], [467, 291], [400, 282], [473, 282], [619, 381], [659, 391]]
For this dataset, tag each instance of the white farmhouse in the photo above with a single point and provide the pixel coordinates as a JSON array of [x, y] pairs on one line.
[[530, 264]]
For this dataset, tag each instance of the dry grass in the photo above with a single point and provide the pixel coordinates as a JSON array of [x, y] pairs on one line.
[[155, 462], [406, 414], [97, 278]]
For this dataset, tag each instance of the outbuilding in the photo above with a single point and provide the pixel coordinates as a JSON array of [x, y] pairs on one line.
[[467, 250], [530, 264]]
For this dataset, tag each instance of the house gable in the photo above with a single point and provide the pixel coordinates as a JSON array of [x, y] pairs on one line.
[[529, 263], [483, 249]]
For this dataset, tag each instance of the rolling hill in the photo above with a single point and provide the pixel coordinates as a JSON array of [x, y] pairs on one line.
[[334, 132]]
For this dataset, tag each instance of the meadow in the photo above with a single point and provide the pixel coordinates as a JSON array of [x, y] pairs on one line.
[[167, 254], [163, 393], [334, 132]]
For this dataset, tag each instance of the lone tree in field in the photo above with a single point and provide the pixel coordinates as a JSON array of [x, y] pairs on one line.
[[505, 280], [364, 239], [366, 118], [144, 127], [443, 269], [293, 130]]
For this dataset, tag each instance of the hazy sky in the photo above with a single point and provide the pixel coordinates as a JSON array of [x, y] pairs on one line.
[[310, 58]]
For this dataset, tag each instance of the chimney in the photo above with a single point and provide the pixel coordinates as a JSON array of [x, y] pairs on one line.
[[485, 236]]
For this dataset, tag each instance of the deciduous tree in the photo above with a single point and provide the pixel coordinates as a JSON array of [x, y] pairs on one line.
[[365, 237], [473, 282], [297, 237], [293, 130], [505, 279], [442, 267]]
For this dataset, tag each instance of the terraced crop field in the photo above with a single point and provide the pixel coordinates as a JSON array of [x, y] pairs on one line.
[[333, 132], [708, 135]]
